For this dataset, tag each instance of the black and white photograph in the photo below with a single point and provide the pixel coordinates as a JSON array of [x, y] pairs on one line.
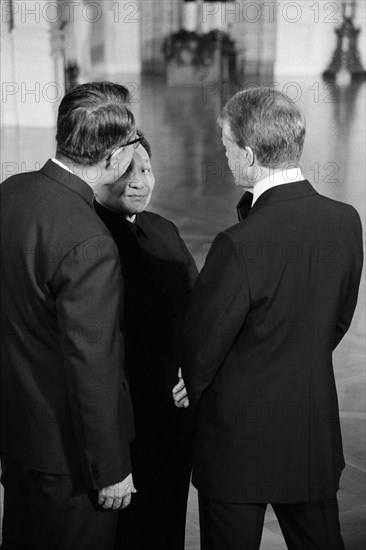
[[182, 214]]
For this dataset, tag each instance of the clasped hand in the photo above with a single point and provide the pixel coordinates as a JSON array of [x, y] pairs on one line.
[[117, 496], [180, 393]]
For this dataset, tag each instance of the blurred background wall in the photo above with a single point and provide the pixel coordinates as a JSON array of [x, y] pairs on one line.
[[47, 42]]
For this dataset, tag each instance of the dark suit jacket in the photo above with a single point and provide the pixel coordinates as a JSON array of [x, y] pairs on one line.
[[276, 295], [159, 273], [65, 404]]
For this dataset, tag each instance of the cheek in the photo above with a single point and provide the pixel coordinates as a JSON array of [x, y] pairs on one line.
[[152, 184], [118, 192], [149, 183]]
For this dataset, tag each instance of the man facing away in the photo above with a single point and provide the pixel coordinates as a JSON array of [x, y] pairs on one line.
[[66, 416], [275, 297], [159, 273]]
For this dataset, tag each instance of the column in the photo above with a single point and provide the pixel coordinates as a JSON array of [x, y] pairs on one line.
[[253, 26], [30, 91], [159, 19], [190, 15]]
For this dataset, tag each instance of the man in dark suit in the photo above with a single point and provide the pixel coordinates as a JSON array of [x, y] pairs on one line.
[[66, 415], [159, 273], [276, 295]]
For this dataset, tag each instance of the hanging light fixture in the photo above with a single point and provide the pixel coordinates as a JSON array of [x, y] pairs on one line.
[[346, 60]]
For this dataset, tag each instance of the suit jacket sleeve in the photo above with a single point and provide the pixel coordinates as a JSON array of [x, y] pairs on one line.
[[349, 301], [218, 308], [87, 287]]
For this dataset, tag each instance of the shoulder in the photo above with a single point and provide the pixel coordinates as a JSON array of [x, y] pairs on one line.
[[343, 213], [154, 219], [54, 209], [157, 222], [17, 179], [337, 205], [244, 229]]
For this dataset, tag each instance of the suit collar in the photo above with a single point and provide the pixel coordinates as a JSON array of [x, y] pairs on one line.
[[279, 193], [143, 221], [116, 220], [68, 179]]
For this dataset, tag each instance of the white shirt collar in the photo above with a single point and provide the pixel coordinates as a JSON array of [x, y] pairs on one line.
[[62, 165], [278, 178]]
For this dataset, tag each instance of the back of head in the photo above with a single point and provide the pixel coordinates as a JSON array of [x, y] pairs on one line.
[[93, 119], [268, 122]]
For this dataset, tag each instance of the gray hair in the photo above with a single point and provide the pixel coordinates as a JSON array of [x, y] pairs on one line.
[[269, 122]]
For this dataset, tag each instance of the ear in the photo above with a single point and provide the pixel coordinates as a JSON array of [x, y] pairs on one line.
[[114, 160], [250, 157]]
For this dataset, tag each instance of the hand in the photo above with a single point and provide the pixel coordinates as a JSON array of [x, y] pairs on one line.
[[180, 393], [118, 495]]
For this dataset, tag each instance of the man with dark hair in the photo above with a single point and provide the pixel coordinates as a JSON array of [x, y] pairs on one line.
[[66, 415], [276, 295], [159, 273]]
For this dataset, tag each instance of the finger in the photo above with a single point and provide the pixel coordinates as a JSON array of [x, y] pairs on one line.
[[186, 403], [117, 502], [126, 501], [101, 498], [127, 489], [180, 395], [180, 404], [178, 386], [180, 373], [108, 503]]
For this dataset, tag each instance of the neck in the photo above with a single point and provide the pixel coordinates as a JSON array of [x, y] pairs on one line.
[[128, 217], [273, 171], [89, 174]]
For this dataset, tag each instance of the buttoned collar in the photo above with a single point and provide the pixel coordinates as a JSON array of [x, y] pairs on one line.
[[117, 220]]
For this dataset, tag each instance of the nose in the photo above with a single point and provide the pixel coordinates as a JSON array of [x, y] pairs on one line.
[[136, 182]]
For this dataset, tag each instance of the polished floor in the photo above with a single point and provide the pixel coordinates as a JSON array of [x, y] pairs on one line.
[[196, 191]]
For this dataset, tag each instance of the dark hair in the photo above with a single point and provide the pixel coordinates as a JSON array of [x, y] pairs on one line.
[[267, 121], [93, 119]]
